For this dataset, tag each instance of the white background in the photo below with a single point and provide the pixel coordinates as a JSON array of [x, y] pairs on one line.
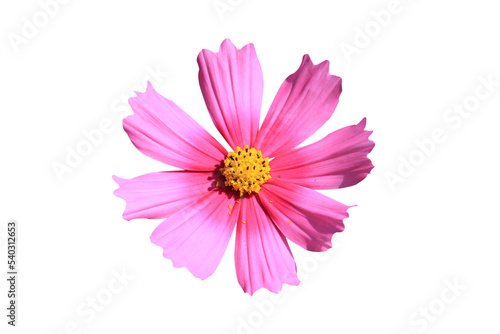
[[401, 244]]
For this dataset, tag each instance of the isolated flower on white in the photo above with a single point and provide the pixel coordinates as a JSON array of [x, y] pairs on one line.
[[265, 187]]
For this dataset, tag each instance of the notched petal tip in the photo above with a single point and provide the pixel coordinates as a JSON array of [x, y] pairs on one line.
[[119, 193], [142, 95], [119, 181], [362, 123], [306, 59], [226, 47], [275, 290], [227, 43], [181, 266], [371, 143], [175, 264], [322, 67]]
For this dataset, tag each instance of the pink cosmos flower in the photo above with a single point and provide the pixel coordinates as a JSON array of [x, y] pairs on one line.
[[267, 201]]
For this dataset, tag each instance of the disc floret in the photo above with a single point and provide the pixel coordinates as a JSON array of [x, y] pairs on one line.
[[246, 170]]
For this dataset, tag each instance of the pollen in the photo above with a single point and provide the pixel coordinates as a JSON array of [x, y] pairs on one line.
[[245, 170]]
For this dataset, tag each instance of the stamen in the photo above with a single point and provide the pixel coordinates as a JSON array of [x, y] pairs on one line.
[[241, 173]]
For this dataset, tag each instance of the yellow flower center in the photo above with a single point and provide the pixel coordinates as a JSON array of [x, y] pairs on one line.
[[246, 170]]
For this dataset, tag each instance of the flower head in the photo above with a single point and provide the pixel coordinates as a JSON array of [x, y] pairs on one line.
[[265, 187]]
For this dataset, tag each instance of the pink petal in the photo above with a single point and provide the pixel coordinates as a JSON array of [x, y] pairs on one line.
[[336, 161], [159, 195], [262, 256], [232, 84], [197, 237], [304, 216], [304, 102], [163, 131]]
